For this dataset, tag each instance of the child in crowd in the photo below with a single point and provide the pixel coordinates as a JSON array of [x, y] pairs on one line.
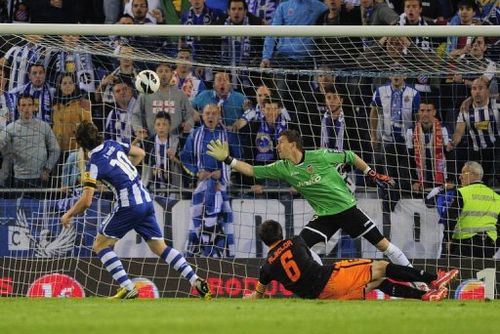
[[162, 169]]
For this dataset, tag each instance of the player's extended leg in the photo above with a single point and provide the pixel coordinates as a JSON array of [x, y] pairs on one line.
[[175, 259], [392, 252], [401, 290], [102, 247], [381, 269], [358, 224], [319, 229], [388, 287], [313, 236], [148, 228]]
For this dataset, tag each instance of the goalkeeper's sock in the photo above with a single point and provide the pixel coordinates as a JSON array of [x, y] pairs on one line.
[[114, 266], [396, 256], [408, 274], [400, 290], [175, 259], [315, 256]]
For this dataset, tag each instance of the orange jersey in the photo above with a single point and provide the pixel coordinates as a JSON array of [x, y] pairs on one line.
[[348, 280], [290, 263]]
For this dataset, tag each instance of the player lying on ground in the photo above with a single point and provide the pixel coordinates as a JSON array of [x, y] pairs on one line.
[[289, 262], [314, 174], [114, 164]]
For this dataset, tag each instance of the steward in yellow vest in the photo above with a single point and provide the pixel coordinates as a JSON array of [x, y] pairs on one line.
[[476, 211]]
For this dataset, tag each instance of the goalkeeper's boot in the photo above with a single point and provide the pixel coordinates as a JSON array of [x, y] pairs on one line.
[[435, 295], [443, 278], [203, 289], [123, 293]]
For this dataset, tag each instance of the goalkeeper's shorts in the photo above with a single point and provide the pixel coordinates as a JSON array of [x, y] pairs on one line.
[[353, 221], [348, 280]]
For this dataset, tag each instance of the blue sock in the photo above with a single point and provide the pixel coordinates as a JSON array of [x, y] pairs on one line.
[[114, 266], [179, 263]]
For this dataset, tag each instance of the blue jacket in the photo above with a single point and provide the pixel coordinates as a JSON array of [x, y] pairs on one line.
[[194, 157], [294, 12], [232, 106]]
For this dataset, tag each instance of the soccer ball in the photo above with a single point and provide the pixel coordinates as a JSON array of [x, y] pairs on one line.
[[147, 82]]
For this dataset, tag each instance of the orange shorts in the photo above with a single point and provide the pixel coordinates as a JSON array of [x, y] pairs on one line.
[[348, 280]]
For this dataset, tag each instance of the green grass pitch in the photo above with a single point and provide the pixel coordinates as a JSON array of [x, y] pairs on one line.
[[221, 316]]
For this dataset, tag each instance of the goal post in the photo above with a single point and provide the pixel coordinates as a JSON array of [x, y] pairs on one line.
[[268, 30], [338, 96]]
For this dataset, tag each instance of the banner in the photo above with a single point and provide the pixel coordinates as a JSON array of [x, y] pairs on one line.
[[415, 230], [227, 277], [248, 215], [31, 228]]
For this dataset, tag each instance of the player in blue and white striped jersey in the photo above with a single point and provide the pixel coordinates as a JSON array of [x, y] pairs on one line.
[[480, 118], [114, 163], [19, 58]]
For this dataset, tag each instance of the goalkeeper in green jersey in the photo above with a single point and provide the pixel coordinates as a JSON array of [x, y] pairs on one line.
[[313, 173]]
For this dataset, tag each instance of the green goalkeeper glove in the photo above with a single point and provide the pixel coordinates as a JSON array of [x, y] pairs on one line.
[[218, 150]]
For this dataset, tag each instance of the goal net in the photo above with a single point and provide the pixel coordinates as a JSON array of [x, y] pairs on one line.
[[412, 107]]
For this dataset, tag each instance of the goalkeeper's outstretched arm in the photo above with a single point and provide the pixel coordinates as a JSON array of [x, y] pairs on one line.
[[380, 179], [360, 163], [220, 151], [240, 166]]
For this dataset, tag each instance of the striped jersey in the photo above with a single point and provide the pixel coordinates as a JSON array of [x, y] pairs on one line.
[[266, 136], [110, 164], [332, 131], [398, 108], [483, 124], [194, 155], [119, 123], [18, 59]]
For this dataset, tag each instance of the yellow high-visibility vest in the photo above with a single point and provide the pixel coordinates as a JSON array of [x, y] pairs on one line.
[[479, 213]]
